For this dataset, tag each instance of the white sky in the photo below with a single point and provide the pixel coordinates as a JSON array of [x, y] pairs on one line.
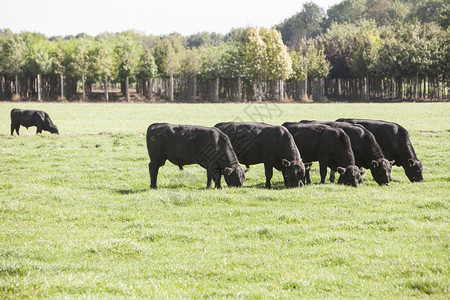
[[61, 17]]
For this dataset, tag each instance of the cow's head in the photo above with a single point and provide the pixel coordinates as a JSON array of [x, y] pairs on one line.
[[294, 173], [414, 170], [234, 176], [50, 127], [351, 175], [381, 170]]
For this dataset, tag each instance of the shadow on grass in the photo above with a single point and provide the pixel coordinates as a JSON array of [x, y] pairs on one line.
[[130, 191]]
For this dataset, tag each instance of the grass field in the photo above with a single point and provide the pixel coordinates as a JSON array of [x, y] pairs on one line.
[[78, 219]]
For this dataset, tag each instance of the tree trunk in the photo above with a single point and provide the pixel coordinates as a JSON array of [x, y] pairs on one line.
[[259, 92], [367, 89], [416, 85], [439, 88], [127, 89], [150, 90], [239, 89], [194, 88], [83, 83], [106, 89], [281, 96], [216, 90], [39, 87], [171, 98], [392, 89], [16, 87], [2, 87], [61, 76]]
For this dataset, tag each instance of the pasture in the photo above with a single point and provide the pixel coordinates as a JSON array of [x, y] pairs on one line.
[[78, 218]]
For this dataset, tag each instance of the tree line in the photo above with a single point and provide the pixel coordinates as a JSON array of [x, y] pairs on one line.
[[305, 57]]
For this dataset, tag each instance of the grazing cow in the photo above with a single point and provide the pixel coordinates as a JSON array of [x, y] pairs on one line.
[[28, 118], [396, 145], [186, 144], [330, 146], [273, 146], [368, 153]]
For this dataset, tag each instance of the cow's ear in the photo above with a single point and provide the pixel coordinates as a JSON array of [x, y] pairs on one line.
[[308, 165], [341, 170], [392, 162], [374, 164], [286, 163], [411, 162], [228, 171], [362, 171], [246, 170]]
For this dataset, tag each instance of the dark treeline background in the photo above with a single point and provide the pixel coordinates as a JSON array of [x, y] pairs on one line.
[[386, 50]]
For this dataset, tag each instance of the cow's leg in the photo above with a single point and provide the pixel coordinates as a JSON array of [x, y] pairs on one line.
[[323, 171], [308, 176], [214, 175], [153, 170], [332, 175], [269, 173], [12, 128], [208, 180]]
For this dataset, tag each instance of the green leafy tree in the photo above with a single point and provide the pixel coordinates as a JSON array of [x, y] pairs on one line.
[[127, 53], [278, 64], [40, 61], [191, 66], [12, 58], [211, 67], [102, 62], [346, 11], [366, 53], [307, 23], [167, 54], [147, 70], [254, 54]]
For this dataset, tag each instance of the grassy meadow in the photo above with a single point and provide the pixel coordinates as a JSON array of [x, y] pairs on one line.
[[78, 219]]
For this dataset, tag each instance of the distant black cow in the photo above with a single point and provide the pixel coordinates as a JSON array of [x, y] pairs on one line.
[[186, 144], [28, 118], [330, 147], [368, 153], [273, 146], [396, 145]]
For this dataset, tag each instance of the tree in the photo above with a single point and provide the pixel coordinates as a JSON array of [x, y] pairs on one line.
[[12, 58], [40, 61], [103, 62], [77, 60], [147, 70], [211, 67], [191, 66], [254, 52], [346, 11], [127, 52], [377, 10], [428, 11], [307, 23], [340, 43], [278, 64], [366, 52], [167, 58]]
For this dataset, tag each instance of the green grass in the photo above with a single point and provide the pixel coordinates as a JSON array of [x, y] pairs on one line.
[[78, 220]]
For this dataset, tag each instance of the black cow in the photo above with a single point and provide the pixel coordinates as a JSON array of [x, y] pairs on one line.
[[28, 118], [186, 144], [367, 151], [330, 146], [396, 145], [273, 146]]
